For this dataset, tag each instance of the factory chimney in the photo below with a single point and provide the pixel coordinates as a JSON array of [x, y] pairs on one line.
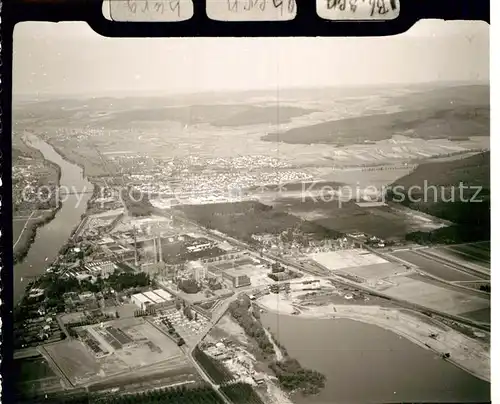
[[155, 252], [136, 260], [160, 252]]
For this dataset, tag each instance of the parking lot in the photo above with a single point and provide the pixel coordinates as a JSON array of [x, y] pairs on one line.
[[187, 329]]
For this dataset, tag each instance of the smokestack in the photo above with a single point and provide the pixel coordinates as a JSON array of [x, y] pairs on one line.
[[155, 252], [159, 243], [136, 260]]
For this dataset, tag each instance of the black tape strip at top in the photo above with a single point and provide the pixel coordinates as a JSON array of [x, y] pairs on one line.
[[306, 23]]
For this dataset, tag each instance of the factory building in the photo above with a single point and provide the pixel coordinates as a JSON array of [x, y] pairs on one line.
[[164, 294], [141, 301], [197, 269], [153, 299], [118, 251], [104, 268], [201, 246], [215, 273], [236, 279]]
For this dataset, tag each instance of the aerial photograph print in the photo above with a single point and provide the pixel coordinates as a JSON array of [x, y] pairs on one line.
[[251, 220]]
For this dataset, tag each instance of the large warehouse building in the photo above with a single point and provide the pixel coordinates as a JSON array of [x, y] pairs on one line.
[[236, 279], [152, 299]]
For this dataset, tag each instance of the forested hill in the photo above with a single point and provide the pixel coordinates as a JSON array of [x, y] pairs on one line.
[[455, 113], [472, 171], [458, 191]]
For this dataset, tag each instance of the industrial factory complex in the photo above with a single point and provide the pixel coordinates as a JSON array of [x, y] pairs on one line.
[[144, 293]]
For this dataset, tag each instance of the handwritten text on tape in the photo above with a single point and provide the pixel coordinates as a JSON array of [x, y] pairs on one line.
[[251, 10], [151, 10], [358, 9]]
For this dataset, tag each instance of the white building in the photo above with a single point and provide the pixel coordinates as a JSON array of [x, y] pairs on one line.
[[164, 294], [201, 246], [156, 299], [105, 268], [141, 301]]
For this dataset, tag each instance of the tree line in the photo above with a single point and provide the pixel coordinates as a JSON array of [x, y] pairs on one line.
[[215, 369], [290, 373]]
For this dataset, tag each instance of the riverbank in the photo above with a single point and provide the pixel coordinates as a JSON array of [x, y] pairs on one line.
[[28, 236], [468, 354], [22, 245], [65, 156], [59, 224]]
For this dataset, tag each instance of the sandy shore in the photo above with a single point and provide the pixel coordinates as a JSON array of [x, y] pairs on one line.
[[469, 354], [277, 395]]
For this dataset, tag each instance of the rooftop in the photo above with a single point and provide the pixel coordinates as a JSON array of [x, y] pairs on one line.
[[142, 298], [154, 297], [164, 294]]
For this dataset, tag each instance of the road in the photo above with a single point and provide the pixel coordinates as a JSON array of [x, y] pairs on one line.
[[216, 316]]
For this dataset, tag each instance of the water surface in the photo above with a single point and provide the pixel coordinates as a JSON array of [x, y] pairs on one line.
[[367, 364], [52, 236]]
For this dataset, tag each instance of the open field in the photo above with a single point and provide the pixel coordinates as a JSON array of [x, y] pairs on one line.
[[414, 290], [347, 259], [435, 268], [34, 374], [129, 345], [159, 376], [466, 254], [20, 224], [481, 315], [228, 328], [74, 360], [24, 224], [402, 282]]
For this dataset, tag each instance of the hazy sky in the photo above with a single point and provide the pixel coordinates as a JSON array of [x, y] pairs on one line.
[[70, 58]]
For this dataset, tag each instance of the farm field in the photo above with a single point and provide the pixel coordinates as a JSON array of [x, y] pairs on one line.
[[428, 294], [474, 254], [458, 259], [435, 268]]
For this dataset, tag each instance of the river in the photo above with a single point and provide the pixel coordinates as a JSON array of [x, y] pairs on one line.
[[52, 236], [367, 364]]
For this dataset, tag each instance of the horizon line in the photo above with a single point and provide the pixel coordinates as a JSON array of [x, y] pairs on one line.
[[162, 93]]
